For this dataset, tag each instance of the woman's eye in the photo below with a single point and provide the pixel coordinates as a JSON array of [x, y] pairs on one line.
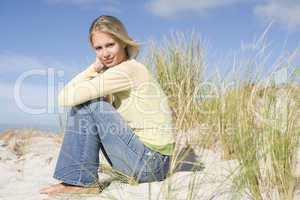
[[98, 48], [111, 44]]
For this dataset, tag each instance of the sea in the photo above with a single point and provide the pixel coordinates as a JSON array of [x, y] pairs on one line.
[[54, 129]]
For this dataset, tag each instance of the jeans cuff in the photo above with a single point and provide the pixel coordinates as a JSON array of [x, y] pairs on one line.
[[78, 183]]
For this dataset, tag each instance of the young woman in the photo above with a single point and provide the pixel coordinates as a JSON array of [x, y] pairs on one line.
[[116, 107]]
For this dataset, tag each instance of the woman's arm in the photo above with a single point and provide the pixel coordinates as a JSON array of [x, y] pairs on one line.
[[88, 73], [89, 84]]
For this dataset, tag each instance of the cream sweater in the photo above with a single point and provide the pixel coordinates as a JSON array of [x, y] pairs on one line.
[[134, 93]]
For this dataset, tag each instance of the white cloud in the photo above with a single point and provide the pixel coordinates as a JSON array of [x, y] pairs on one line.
[[32, 105], [29, 88], [171, 8], [284, 12], [102, 5], [35, 79], [10, 62], [12, 65], [30, 94]]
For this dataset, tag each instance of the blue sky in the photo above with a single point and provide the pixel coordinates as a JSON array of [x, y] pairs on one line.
[[52, 35]]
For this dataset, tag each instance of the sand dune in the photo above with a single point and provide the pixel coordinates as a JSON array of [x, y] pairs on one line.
[[28, 157]]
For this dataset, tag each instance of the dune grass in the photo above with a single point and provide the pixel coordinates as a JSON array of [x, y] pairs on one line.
[[178, 66], [255, 120]]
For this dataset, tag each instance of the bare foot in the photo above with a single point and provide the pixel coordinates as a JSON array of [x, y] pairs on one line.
[[66, 188]]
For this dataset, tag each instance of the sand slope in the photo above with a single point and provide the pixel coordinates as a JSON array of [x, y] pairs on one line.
[[28, 157]]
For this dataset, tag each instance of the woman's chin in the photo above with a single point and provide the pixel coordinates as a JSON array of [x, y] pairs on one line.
[[112, 64], [109, 65]]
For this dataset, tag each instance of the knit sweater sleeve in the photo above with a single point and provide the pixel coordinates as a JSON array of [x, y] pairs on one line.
[[88, 85]]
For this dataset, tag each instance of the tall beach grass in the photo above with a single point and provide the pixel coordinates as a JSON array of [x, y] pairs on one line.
[[252, 117]]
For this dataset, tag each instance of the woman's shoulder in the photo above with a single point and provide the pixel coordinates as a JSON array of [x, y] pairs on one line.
[[133, 62], [132, 66]]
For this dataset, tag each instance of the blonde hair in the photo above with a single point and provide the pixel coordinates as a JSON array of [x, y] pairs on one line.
[[113, 26]]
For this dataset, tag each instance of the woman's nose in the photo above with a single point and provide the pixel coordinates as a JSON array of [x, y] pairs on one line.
[[105, 53]]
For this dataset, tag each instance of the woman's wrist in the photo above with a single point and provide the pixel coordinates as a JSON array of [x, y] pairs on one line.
[[90, 71], [97, 65]]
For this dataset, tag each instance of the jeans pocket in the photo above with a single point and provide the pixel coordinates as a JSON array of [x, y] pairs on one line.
[[153, 166], [152, 162]]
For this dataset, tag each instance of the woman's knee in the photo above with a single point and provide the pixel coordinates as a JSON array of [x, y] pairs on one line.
[[80, 109], [99, 105]]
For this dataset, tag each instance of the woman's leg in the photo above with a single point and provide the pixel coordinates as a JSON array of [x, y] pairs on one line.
[[78, 159], [125, 151], [94, 125]]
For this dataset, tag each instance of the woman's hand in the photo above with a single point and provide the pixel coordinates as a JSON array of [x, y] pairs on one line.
[[97, 65]]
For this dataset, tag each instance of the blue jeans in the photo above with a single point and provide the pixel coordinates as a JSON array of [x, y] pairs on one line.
[[96, 125]]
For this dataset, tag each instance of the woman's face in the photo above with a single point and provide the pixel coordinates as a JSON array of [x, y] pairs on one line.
[[109, 50]]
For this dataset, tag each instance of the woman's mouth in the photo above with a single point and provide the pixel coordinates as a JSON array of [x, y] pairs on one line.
[[108, 61]]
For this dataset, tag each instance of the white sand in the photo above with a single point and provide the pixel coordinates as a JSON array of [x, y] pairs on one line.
[[22, 176]]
